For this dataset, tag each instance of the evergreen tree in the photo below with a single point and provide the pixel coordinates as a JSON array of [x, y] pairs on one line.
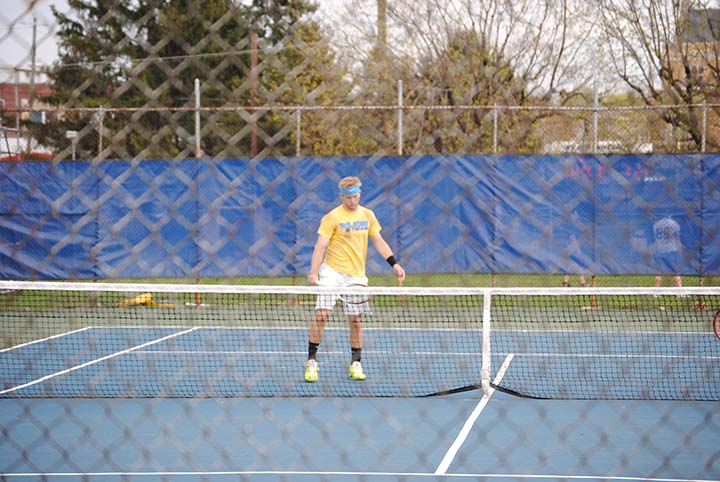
[[144, 57]]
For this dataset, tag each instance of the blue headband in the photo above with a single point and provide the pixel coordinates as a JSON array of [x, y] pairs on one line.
[[350, 190]]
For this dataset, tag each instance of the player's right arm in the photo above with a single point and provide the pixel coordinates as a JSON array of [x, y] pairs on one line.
[[317, 257]]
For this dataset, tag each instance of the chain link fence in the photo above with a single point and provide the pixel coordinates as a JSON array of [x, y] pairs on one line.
[[139, 94], [278, 131]]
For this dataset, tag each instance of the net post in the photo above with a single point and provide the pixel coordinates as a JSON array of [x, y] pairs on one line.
[[293, 298], [198, 297], [485, 370], [593, 299], [398, 300], [700, 305]]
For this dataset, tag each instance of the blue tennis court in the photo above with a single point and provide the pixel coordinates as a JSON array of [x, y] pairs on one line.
[[252, 362], [462, 435], [341, 439], [226, 362], [167, 395]]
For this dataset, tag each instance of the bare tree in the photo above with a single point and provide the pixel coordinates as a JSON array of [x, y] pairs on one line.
[[470, 53], [666, 51]]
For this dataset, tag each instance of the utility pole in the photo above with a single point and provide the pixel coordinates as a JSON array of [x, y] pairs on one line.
[[254, 90], [31, 96], [17, 111], [381, 29]]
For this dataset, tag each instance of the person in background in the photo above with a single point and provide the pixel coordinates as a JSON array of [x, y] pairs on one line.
[[566, 281], [571, 254], [667, 249]]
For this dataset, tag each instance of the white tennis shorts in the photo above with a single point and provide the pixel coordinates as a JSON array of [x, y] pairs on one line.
[[330, 277]]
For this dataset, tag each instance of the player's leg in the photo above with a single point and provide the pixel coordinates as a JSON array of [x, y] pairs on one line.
[[356, 344], [317, 330], [676, 262]]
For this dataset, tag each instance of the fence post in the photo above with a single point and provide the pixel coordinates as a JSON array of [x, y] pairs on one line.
[[100, 114], [197, 118], [400, 117], [704, 126], [198, 296], [595, 117], [298, 131], [17, 111], [495, 128], [254, 81]]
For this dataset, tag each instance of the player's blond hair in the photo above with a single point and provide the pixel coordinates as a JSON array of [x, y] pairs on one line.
[[349, 181]]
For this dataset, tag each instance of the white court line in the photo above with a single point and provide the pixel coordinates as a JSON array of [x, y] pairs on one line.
[[304, 352], [45, 339], [245, 473], [92, 362], [424, 353], [620, 355], [603, 332], [455, 447], [296, 328]]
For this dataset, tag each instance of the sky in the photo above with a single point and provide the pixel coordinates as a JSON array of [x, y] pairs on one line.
[[16, 27]]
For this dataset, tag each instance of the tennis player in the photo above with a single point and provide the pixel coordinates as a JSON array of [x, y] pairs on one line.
[[339, 259]]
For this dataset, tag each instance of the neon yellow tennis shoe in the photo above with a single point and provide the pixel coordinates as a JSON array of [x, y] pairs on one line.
[[311, 371], [356, 371]]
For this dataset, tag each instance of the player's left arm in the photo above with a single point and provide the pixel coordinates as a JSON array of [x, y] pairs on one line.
[[384, 249]]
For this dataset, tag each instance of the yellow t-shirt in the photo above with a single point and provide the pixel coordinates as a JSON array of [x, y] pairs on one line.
[[348, 232]]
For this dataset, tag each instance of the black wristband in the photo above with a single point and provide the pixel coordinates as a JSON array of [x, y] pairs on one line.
[[391, 260]]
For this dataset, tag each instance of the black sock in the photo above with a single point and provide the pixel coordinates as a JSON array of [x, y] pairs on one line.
[[356, 352], [312, 350]]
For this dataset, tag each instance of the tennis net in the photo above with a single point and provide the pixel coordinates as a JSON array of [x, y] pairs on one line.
[[64, 339]]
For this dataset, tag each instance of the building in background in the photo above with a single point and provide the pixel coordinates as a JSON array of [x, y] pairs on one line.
[[21, 100]]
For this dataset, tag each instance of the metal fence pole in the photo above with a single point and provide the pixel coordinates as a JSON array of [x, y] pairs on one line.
[[298, 131], [17, 111], [704, 127], [254, 82], [495, 128], [595, 117], [198, 297], [197, 118], [101, 121], [400, 117]]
